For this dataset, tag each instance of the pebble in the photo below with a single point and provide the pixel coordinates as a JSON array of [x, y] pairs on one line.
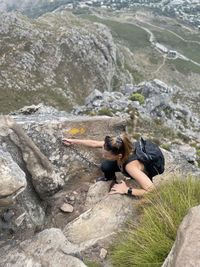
[[20, 219], [67, 207], [103, 253]]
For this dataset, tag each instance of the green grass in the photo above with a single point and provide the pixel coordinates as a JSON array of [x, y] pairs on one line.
[[182, 66], [148, 244], [137, 97], [11, 100], [105, 111], [137, 76], [188, 49], [166, 146], [198, 156], [89, 263], [177, 27], [134, 37]]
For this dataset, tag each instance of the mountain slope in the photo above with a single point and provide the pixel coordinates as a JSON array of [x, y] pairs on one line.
[[57, 59]]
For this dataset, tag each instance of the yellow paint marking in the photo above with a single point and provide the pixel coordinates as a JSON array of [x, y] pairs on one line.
[[74, 131]]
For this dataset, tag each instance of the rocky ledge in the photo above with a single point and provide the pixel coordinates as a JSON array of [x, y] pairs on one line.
[[41, 175]]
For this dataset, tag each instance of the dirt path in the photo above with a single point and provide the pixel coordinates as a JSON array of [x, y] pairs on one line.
[[163, 63], [152, 37], [158, 27]]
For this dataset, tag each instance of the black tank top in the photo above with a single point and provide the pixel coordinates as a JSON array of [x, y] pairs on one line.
[[150, 172]]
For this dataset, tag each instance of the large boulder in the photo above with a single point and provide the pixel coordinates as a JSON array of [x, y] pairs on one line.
[[100, 222], [39, 142], [185, 251], [47, 131], [44, 177], [12, 178], [43, 250]]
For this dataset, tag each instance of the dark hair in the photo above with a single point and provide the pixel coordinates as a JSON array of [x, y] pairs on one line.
[[119, 145]]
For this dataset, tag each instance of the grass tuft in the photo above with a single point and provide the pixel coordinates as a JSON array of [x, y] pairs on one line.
[[137, 97], [148, 243]]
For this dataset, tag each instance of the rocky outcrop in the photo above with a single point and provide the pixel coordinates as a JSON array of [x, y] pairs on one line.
[[89, 216], [12, 181], [100, 222], [44, 177], [45, 249], [34, 143], [185, 249], [185, 151], [57, 59], [159, 103]]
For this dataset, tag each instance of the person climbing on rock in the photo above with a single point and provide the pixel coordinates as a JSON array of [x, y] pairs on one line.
[[140, 161]]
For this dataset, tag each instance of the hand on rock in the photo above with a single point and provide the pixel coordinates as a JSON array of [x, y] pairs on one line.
[[121, 188], [68, 141]]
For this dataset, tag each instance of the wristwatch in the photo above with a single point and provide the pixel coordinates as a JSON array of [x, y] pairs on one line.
[[129, 192]]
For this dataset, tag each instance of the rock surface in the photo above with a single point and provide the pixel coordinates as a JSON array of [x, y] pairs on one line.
[[44, 177], [13, 179], [100, 222], [97, 216], [159, 103], [44, 249], [67, 207], [185, 249], [46, 130]]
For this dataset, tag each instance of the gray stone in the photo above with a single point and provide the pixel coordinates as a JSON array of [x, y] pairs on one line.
[[96, 193], [44, 176], [12, 178], [103, 253], [100, 222], [67, 207], [186, 151], [187, 245], [95, 95], [159, 103], [44, 249]]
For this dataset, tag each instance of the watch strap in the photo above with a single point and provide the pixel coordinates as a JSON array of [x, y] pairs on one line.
[[129, 192]]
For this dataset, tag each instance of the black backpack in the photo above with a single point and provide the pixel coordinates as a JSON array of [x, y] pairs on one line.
[[150, 154]]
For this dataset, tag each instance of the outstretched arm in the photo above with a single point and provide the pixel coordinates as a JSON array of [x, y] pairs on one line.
[[134, 169], [85, 142]]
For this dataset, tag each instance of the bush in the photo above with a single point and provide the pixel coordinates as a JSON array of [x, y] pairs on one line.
[[149, 243], [105, 111], [137, 97], [166, 146], [90, 263]]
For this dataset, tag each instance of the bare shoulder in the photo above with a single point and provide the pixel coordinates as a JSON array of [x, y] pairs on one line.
[[135, 164]]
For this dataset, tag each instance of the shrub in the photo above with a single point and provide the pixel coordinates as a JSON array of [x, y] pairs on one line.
[[137, 97], [105, 111], [90, 263], [149, 243], [166, 146]]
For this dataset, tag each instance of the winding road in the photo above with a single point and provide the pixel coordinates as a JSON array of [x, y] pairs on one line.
[[152, 37]]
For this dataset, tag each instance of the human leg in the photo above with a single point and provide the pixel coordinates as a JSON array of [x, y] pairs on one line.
[[109, 167]]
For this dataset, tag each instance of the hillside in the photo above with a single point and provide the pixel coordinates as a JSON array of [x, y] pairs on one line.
[[145, 36], [57, 59]]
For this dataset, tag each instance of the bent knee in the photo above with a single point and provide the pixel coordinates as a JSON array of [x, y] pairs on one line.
[[106, 166]]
